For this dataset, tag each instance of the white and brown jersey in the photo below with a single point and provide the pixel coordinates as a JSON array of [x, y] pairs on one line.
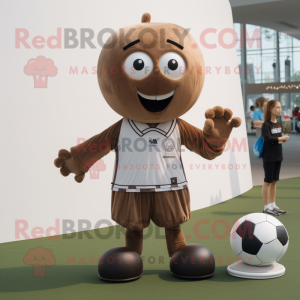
[[148, 157]]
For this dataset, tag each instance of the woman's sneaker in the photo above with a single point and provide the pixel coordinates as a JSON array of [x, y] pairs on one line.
[[280, 211], [270, 212]]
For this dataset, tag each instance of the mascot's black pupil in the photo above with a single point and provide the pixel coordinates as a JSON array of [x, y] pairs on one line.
[[138, 64], [172, 64]]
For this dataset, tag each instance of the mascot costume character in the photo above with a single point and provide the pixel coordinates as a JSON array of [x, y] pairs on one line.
[[151, 80]]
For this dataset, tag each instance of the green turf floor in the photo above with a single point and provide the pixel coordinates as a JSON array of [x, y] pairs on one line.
[[77, 279]]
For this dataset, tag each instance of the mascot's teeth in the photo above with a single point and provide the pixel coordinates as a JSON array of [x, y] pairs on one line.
[[159, 97]]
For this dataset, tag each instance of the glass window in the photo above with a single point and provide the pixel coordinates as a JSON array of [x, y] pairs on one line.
[[237, 29], [296, 42], [295, 100], [269, 53], [253, 38], [261, 60], [268, 69], [253, 54], [296, 60], [254, 63], [285, 57], [261, 45], [268, 38]]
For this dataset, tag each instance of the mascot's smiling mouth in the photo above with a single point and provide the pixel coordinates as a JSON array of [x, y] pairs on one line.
[[155, 103]]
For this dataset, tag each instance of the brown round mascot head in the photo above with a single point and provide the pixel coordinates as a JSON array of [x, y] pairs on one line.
[[151, 72]]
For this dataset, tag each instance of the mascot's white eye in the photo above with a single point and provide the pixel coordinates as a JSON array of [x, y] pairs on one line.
[[138, 65], [172, 65]]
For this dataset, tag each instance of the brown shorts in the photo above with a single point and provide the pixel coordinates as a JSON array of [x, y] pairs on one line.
[[166, 209]]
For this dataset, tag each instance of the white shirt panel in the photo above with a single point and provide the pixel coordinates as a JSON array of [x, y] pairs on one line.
[[148, 158]]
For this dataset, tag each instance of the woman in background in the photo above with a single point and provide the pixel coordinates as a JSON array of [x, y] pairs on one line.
[[258, 115], [272, 156]]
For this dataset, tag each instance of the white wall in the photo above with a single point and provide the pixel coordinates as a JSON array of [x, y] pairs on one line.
[[37, 122]]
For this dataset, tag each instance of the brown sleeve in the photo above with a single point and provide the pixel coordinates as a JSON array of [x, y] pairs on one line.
[[88, 152], [193, 138]]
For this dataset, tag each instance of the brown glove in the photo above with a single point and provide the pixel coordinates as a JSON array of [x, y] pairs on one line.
[[67, 165], [218, 126]]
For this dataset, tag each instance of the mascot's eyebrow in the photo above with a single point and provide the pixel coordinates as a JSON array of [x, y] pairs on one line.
[[131, 44], [137, 41], [175, 44]]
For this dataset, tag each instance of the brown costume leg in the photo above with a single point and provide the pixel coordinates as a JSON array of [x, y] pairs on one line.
[[134, 240], [175, 239], [132, 211]]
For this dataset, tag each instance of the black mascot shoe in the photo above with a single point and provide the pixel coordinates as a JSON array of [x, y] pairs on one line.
[[192, 262], [120, 264]]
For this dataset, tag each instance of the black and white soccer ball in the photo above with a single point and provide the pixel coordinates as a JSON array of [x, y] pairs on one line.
[[259, 239]]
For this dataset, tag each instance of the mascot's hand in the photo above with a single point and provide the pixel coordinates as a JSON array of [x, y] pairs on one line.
[[67, 165], [218, 126]]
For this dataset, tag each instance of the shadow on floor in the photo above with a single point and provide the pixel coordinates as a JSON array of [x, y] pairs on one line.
[[22, 280], [229, 213]]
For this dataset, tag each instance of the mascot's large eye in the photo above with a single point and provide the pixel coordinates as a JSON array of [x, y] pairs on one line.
[[138, 65], [172, 65]]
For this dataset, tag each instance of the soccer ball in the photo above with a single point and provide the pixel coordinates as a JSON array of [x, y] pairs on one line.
[[259, 239]]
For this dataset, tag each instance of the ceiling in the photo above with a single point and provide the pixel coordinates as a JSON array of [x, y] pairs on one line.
[[280, 15]]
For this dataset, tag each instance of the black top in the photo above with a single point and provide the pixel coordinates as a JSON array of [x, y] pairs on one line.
[[272, 150]]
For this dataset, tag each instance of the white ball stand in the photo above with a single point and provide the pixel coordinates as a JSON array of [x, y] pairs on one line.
[[240, 269]]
